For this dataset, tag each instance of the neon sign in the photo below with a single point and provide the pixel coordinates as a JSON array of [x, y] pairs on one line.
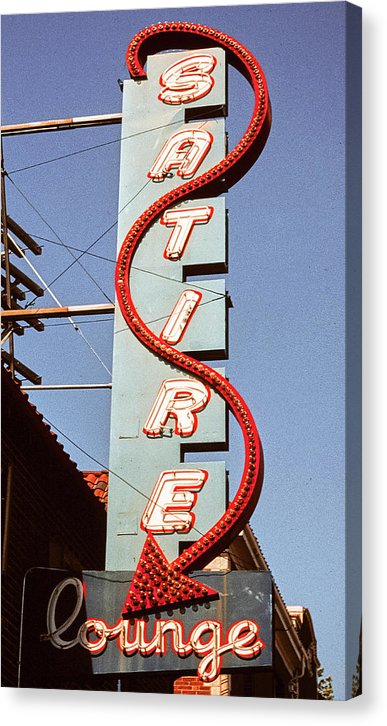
[[72, 625], [174, 495], [181, 314], [185, 151], [177, 408], [187, 80], [183, 221], [206, 639], [181, 398]]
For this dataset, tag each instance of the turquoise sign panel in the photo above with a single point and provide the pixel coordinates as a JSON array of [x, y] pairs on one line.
[[158, 281]]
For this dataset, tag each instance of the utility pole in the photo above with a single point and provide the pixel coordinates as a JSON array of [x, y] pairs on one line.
[[12, 291], [8, 295], [13, 313]]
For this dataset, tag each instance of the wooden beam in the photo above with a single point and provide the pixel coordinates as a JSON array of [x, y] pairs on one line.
[[63, 124], [24, 279], [23, 236], [58, 312], [33, 322], [6, 263], [17, 329], [22, 369], [12, 247], [67, 387], [16, 292]]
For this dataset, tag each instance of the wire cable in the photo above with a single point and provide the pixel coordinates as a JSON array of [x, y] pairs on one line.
[[83, 336], [134, 267], [92, 148], [87, 250], [54, 297], [61, 242], [104, 143], [106, 468], [77, 259], [125, 481], [122, 330], [165, 317], [84, 322], [114, 224]]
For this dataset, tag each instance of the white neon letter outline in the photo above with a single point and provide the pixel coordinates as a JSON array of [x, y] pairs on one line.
[[180, 316], [185, 150], [181, 398], [172, 499], [53, 630], [187, 80], [183, 222]]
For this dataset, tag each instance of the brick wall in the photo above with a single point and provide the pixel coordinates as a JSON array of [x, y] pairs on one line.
[[193, 686], [54, 520]]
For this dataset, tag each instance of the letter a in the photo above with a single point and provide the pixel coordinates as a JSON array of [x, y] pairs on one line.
[[185, 150]]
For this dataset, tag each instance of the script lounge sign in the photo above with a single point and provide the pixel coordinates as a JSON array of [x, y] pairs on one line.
[[72, 628]]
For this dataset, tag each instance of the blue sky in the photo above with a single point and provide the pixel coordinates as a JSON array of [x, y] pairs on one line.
[[286, 278]]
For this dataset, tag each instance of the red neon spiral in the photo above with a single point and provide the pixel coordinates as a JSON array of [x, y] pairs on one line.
[[232, 167]]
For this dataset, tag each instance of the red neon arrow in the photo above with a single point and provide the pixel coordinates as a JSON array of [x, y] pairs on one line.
[[159, 584]]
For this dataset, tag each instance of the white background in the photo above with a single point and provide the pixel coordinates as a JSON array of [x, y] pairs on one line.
[[60, 706]]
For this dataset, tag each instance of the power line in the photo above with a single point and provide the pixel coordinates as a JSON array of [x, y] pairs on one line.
[[61, 242], [122, 330], [83, 336], [76, 259], [165, 317], [105, 143], [72, 247], [106, 468], [179, 282], [92, 148], [84, 252], [84, 322], [125, 481], [54, 297], [133, 267]]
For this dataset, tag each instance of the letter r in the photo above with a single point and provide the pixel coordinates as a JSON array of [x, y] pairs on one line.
[[181, 398]]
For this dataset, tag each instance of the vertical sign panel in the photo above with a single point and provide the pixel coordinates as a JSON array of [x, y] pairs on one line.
[[157, 410]]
